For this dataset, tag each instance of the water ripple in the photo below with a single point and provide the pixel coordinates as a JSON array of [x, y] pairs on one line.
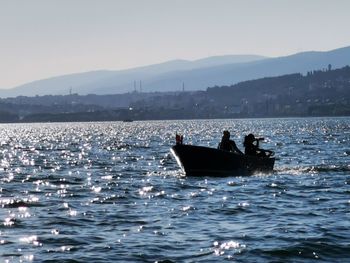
[[99, 192]]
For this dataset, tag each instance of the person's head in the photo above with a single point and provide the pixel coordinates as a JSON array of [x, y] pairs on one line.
[[250, 138], [226, 134]]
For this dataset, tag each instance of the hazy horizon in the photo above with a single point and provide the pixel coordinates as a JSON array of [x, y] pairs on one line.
[[42, 39]]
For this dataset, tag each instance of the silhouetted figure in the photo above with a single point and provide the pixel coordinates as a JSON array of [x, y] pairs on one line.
[[179, 139], [228, 145], [251, 147]]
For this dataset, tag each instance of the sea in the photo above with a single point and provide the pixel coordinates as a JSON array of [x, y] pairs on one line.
[[112, 192]]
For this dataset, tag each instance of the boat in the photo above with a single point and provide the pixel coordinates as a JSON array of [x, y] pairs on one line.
[[206, 161]]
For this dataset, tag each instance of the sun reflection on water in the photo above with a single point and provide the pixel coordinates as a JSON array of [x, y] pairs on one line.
[[74, 191]]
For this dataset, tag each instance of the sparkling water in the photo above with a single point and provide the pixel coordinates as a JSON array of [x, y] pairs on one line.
[[112, 192]]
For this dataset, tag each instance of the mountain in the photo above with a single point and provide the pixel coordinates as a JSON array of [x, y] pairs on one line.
[[107, 81], [194, 75], [200, 79]]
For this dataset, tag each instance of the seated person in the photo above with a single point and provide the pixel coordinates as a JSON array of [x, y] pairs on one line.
[[228, 145], [253, 149]]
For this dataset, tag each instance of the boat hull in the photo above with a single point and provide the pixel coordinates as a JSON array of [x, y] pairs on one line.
[[199, 161]]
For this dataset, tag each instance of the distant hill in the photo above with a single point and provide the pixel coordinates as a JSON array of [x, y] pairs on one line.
[[121, 81], [318, 93], [199, 79], [196, 75]]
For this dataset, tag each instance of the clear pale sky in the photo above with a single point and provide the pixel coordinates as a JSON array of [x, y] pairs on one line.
[[45, 38]]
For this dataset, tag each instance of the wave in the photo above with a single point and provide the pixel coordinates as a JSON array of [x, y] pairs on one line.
[[314, 169], [310, 250]]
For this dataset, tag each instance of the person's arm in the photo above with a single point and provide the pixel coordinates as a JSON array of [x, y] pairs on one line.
[[235, 148]]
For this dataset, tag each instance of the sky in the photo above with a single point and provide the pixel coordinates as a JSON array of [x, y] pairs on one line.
[[45, 38]]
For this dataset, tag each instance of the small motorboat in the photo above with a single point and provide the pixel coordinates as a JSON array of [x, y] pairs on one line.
[[202, 161]]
